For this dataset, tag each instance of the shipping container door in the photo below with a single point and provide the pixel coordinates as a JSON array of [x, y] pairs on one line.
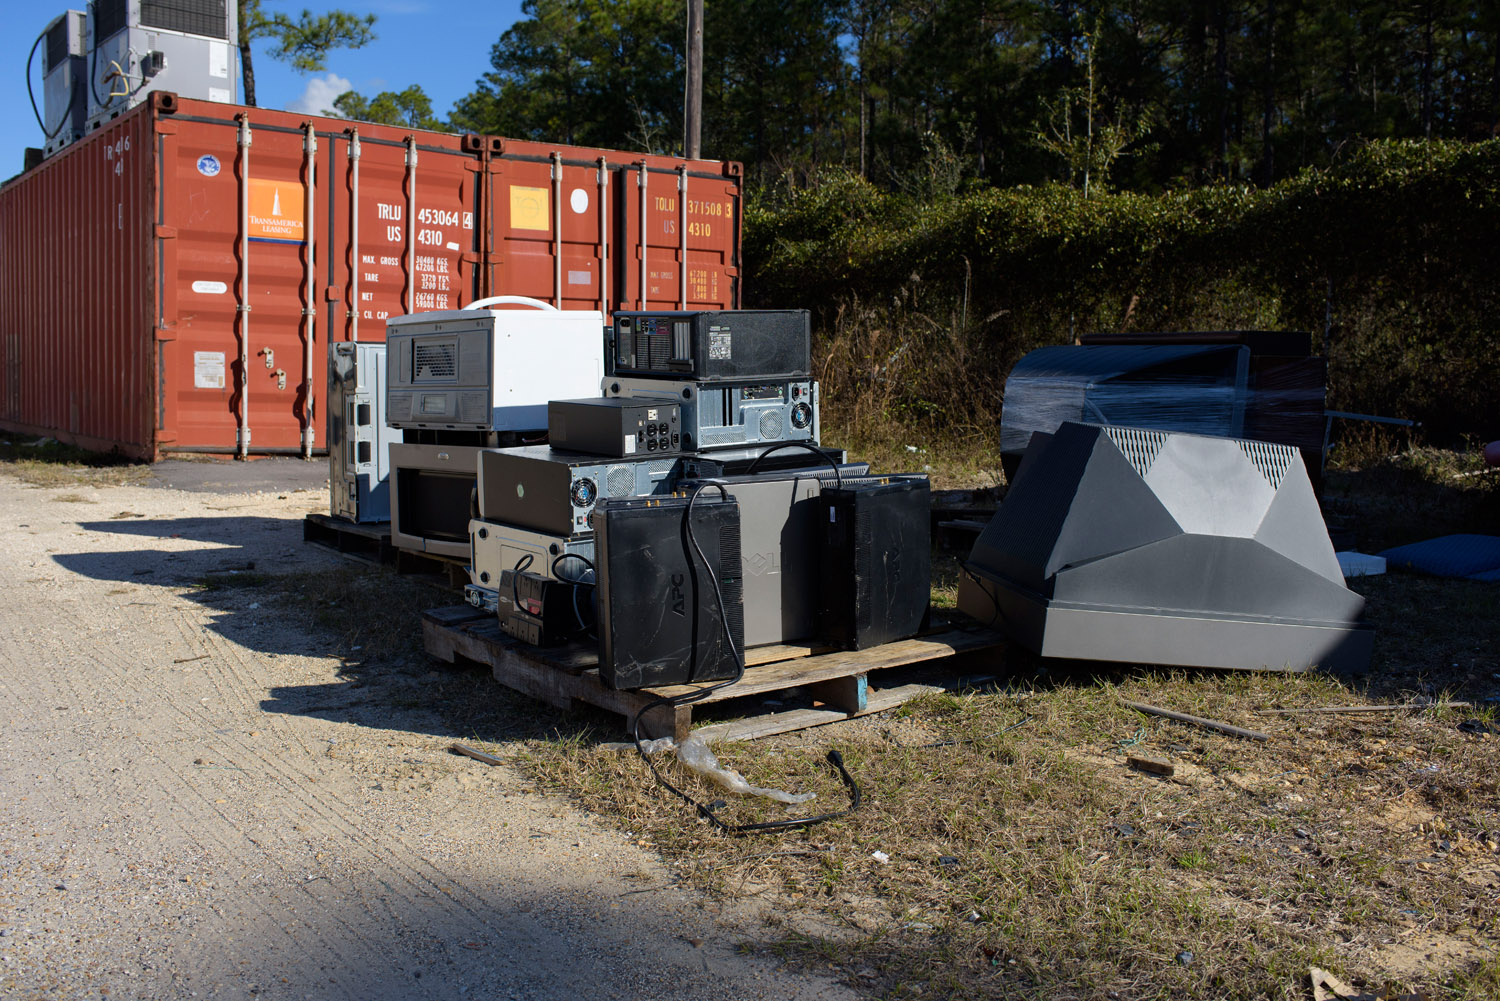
[[233, 283], [404, 214], [551, 223], [681, 231]]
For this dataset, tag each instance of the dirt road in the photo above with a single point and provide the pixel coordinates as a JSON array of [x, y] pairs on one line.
[[195, 801]]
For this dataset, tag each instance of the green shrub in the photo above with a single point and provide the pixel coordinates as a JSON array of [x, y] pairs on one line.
[[924, 303]]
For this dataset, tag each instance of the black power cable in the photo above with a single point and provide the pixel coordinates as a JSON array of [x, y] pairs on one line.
[[574, 556], [52, 134], [838, 476], [583, 627], [834, 758]]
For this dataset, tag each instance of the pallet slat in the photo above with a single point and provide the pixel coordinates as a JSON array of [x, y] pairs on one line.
[[563, 676], [370, 542]]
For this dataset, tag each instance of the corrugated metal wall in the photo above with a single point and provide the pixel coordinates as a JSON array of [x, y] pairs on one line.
[[75, 298], [171, 282]]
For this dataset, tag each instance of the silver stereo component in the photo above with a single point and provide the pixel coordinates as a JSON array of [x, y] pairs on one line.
[[733, 415], [490, 370], [496, 548], [358, 439], [539, 488]]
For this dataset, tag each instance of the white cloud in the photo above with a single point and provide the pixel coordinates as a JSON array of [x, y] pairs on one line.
[[318, 97]]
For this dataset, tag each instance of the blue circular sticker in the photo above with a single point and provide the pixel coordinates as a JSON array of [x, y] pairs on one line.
[[208, 165]]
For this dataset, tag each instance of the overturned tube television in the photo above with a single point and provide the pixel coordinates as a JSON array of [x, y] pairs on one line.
[[1130, 544]]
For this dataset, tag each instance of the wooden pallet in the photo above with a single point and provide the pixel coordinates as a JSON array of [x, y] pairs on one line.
[[839, 684], [369, 541]]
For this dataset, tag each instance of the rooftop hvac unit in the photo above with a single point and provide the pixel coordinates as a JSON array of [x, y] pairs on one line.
[[139, 46], [64, 106]]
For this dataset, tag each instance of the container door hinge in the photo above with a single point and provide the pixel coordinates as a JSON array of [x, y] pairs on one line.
[[165, 232], [164, 334]]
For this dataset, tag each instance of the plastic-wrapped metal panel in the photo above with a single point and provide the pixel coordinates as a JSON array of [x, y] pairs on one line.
[[76, 352]]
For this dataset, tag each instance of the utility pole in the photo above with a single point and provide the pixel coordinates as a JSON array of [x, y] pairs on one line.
[[692, 117]]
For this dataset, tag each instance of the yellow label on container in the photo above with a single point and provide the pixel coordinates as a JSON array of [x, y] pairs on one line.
[[528, 208], [277, 211]]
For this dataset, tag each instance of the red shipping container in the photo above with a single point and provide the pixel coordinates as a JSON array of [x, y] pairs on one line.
[[171, 282]]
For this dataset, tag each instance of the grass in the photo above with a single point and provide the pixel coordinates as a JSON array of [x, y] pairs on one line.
[[1030, 861], [46, 462], [1033, 863]]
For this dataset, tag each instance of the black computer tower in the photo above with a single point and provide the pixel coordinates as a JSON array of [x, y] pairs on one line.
[[877, 561], [660, 619], [714, 346]]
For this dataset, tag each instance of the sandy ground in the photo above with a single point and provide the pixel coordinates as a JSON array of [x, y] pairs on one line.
[[178, 819]]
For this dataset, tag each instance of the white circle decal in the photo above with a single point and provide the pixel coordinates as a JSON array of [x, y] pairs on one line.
[[579, 199]]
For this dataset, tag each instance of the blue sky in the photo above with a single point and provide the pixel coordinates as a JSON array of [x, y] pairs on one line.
[[444, 45]]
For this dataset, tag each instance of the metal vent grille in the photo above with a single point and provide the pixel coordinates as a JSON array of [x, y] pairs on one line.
[[771, 424], [193, 17], [721, 436], [1140, 448], [435, 361], [398, 407], [619, 481], [57, 44], [473, 408], [652, 350], [1273, 461], [109, 18], [731, 581], [658, 467]]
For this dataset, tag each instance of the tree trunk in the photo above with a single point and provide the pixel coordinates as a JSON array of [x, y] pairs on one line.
[[247, 69], [1427, 70], [1268, 100], [1495, 87], [1221, 72]]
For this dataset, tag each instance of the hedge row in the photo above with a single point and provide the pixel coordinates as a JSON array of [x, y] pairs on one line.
[[924, 303]]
